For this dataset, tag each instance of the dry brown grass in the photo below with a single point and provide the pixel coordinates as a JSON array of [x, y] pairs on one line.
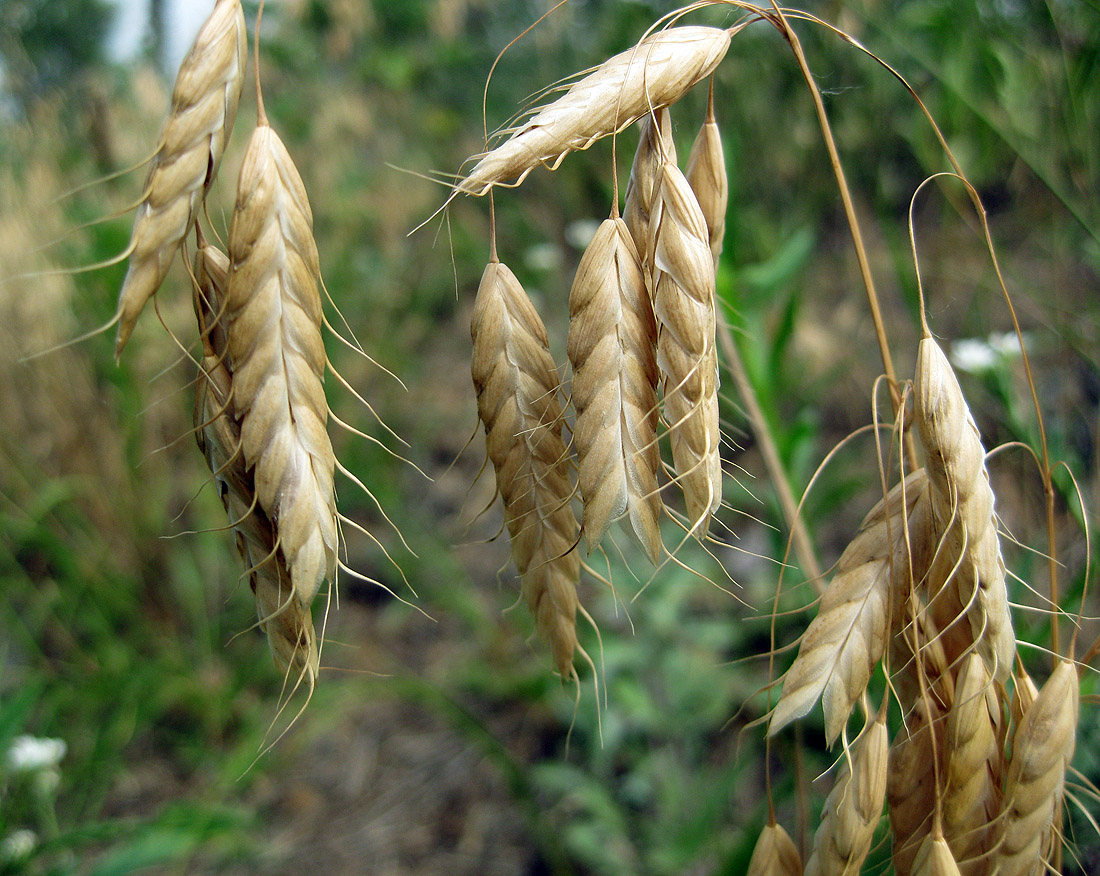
[[204, 105], [277, 357], [612, 348], [657, 72], [683, 301], [517, 388], [775, 854]]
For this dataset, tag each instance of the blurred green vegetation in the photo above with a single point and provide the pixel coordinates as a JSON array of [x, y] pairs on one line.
[[126, 629]]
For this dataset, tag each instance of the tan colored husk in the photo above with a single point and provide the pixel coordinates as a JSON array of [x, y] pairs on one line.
[[655, 145], [971, 798], [911, 782], [204, 104], [964, 505], [612, 348], [854, 806], [656, 72], [706, 173], [287, 624], [277, 359], [934, 858], [1042, 748], [848, 636], [517, 388], [774, 854], [686, 353]]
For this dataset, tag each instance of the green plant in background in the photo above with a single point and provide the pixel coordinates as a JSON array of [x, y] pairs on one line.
[[662, 791]]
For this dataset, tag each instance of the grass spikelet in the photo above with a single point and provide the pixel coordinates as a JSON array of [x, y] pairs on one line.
[[655, 145], [706, 173], [277, 359], [612, 348], [934, 858], [517, 387], [849, 634], [686, 353], [775, 854], [656, 72], [854, 806], [1042, 748], [287, 624], [971, 797], [204, 105], [963, 500], [916, 758]]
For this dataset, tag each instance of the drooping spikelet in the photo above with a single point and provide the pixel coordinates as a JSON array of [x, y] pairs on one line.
[[655, 145], [204, 104], [686, 353], [288, 624], [656, 72], [963, 501], [916, 759], [934, 858], [774, 854], [854, 806], [277, 359], [971, 798], [848, 637], [612, 348], [706, 173], [517, 388], [1042, 748]]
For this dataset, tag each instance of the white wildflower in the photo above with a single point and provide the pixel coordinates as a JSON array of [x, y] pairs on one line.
[[17, 846], [29, 754], [975, 355]]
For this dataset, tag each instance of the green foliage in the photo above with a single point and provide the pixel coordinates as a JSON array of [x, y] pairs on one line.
[[129, 646]]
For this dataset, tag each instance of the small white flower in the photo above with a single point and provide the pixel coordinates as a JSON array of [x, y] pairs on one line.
[[543, 257], [17, 845], [580, 233], [30, 754], [973, 355]]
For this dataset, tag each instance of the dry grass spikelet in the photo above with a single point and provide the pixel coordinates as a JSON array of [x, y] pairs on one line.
[[517, 387], [686, 354], [854, 806], [964, 505], [849, 635], [612, 348], [774, 854], [655, 145], [706, 173], [656, 72], [971, 798], [916, 758], [1042, 747], [277, 359], [287, 624], [204, 105], [934, 858]]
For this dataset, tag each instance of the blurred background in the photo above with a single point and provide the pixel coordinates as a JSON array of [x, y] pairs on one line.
[[137, 703]]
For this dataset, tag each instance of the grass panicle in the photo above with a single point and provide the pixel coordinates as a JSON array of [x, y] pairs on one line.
[[686, 352], [849, 635], [612, 348], [517, 385], [277, 357], [657, 72], [774, 854], [192, 141]]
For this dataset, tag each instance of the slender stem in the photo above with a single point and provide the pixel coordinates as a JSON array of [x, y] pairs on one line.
[[261, 113], [850, 212]]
